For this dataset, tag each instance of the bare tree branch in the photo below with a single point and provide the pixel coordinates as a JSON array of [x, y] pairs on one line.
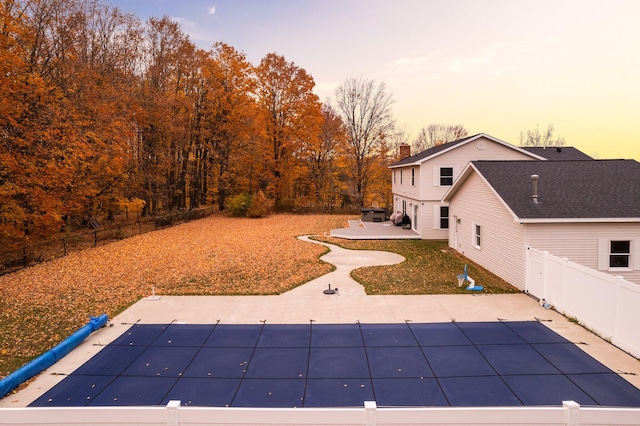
[[535, 138], [365, 109]]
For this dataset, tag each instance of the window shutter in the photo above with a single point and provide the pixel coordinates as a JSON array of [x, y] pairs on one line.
[[635, 255], [436, 176], [473, 234], [603, 254]]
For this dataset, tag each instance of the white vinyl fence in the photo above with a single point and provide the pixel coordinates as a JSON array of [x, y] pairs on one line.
[[606, 304], [570, 414]]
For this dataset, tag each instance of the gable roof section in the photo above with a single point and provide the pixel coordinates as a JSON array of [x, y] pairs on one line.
[[552, 153], [423, 156], [568, 191]]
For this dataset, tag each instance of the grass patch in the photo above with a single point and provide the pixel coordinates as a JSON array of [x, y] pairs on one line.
[[431, 267]]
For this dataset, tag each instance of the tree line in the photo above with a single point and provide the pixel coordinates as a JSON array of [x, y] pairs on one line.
[[102, 113]]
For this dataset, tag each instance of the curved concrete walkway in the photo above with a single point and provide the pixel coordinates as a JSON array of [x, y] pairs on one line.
[[345, 261]]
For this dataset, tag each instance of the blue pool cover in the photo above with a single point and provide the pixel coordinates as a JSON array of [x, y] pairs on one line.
[[342, 365]]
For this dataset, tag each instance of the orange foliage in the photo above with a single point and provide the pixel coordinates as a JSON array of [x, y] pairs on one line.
[[99, 110]]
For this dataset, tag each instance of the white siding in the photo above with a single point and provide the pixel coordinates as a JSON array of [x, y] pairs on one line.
[[502, 248], [458, 158], [431, 216], [405, 188], [427, 191], [579, 242]]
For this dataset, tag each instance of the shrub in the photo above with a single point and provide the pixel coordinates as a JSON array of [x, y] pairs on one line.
[[238, 205], [245, 205], [260, 205]]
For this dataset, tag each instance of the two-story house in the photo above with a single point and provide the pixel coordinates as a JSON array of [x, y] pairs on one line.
[[420, 181]]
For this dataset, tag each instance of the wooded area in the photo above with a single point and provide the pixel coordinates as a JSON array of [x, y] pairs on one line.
[[102, 114]]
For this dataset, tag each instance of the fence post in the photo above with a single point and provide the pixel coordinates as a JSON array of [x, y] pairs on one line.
[[618, 313], [527, 269], [572, 411], [370, 413], [545, 280], [173, 416]]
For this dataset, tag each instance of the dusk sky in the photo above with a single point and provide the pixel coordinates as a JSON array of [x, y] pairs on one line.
[[496, 67]]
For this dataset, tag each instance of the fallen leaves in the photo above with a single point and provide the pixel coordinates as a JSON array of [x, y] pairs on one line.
[[218, 255]]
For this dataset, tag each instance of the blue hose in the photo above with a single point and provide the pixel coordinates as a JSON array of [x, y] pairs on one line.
[[50, 357]]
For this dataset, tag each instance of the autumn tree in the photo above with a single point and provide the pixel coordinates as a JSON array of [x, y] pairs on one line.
[[534, 137], [63, 147], [228, 120], [289, 108], [23, 90], [102, 46], [365, 108], [167, 98], [323, 154], [437, 134]]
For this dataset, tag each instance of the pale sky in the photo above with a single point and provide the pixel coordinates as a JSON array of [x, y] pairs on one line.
[[495, 66]]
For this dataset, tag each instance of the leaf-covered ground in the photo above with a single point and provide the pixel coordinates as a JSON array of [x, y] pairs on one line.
[[42, 305]]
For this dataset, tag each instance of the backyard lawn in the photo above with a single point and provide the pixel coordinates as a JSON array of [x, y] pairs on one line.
[[42, 305], [431, 267]]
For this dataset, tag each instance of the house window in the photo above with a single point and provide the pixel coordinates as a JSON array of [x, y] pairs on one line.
[[476, 235], [413, 177], [400, 176], [394, 176], [619, 254], [446, 176], [444, 217]]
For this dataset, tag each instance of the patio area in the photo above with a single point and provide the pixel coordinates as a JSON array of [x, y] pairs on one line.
[[359, 230]]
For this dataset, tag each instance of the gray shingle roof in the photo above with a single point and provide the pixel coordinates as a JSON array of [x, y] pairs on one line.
[[565, 153], [590, 189]]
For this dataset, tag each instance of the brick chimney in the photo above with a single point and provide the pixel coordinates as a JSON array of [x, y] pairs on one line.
[[405, 151]]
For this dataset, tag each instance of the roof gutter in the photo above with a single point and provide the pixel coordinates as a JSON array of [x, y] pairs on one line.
[[580, 220]]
